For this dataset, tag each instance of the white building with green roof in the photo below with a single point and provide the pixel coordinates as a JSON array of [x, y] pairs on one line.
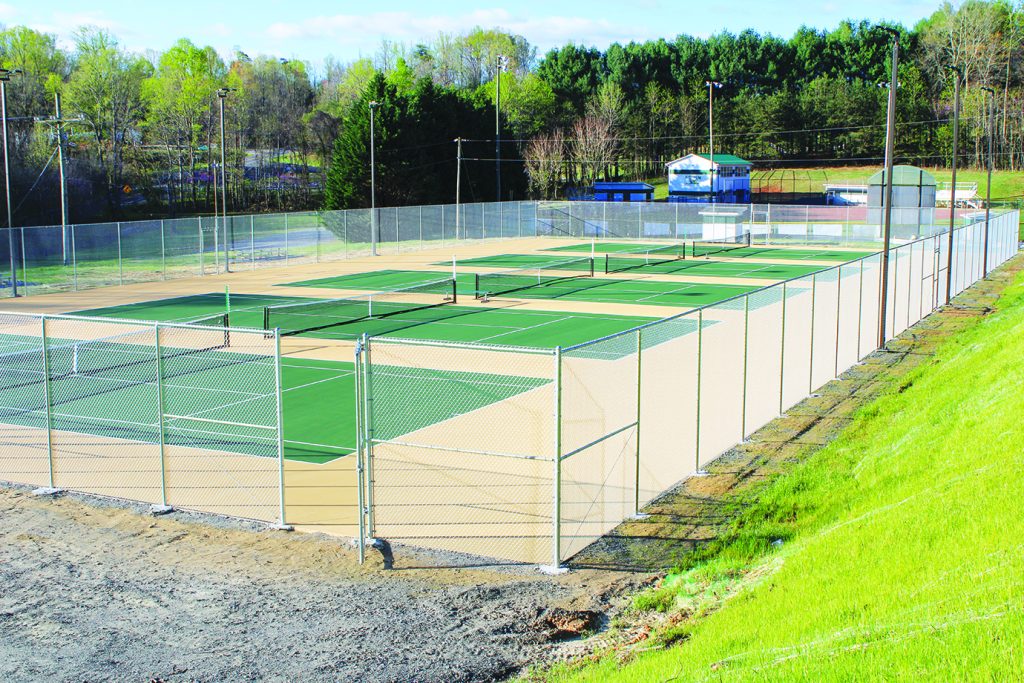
[[698, 178]]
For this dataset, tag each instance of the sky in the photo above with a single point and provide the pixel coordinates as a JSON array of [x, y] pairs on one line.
[[311, 31]]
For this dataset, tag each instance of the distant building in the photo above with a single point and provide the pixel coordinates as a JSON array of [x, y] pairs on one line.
[[913, 197], [623, 192], [690, 179]]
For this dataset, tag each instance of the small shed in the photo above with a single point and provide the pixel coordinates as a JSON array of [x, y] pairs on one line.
[[913, 198], [698, 178], [623, 192]]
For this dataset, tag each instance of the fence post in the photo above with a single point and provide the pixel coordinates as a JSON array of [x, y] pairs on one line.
[[252, 242], [120, 262], [782, 352], [556, 513], [839, 310], [519, 217], [860, 307], [160, 415], [286, 238], [360, 474], [49, 403], [280, 424], [344, 218], [746, 351], [895, 288], [202, 248], [318, 221], [421, 226], [639, 394], [368, 433], [810, 372], [700, 342], [74, 257], [163, 251], [24, 261]]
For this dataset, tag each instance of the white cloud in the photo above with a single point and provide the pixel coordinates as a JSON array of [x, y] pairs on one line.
[[409, 27]]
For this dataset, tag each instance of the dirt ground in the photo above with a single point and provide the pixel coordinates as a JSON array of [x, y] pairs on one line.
[[94, 590]]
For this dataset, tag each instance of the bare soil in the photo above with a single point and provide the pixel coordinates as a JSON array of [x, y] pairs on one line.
[[95, 590]]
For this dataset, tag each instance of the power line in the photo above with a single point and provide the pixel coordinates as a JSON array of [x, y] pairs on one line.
[[702, 137]]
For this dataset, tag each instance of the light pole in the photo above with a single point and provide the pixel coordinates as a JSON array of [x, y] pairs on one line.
[[458, 184], [890, 149], [373, 186], [502, 65], [222, 95], [5, 76], [958, 75], [988, 184], [712, 85]]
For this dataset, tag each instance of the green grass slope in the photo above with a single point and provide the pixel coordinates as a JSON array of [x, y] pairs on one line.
[[904, 542]]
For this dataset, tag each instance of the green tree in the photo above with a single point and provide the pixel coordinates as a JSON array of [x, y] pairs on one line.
[[106, 90]]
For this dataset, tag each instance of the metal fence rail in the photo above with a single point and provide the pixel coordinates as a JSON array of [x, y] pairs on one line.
[[580, 440]]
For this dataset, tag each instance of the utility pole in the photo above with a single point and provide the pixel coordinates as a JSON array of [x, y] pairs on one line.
[[222, 94], [373, 186], [988, 184], [711, 132], [5, 76], [458, 184], [958, 75], [57, 124], [890, 151], [502, 65]]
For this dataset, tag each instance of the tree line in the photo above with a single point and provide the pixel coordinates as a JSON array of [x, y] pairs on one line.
[[142, 131]]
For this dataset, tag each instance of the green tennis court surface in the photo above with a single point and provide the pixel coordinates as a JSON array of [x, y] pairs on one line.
[[211, 399], [594, 289], [765, 252], [637, 265], [246, 309], [469, 323]]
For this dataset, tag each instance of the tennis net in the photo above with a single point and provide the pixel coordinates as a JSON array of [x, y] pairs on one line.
[[643, 256], [505, 282], [721, 245], [321, 314]]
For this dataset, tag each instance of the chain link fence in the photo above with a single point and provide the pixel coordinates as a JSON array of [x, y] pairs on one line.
[[84, 256], [536, 463], [49, 258], [520, 454], [171, 415]]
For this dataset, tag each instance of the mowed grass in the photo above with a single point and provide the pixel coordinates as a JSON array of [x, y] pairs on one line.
[[903, 542]]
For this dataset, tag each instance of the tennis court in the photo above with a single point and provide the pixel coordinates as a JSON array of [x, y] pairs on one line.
[[781, 253], [655, 263], [452, 322], [213, 390], [546, 284]]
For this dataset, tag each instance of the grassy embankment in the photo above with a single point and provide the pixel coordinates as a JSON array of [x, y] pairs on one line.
[[902, 542]]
